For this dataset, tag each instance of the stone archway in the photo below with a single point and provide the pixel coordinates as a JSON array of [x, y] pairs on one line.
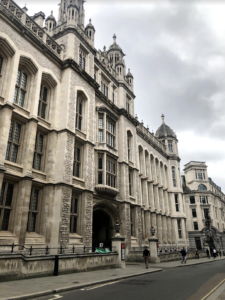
[[105, 216]]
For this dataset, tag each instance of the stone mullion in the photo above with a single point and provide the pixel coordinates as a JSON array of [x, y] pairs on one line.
[[168, 220], [159, 226], [151, 196], [147, 224], [143, 223]]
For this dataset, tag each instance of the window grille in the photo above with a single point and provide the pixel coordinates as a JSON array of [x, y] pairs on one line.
[[195, 225], [79, 113], [110, 133], [100, 168], [13, 141], [110, 172], [77, 161], [194, 214], [170, 146]]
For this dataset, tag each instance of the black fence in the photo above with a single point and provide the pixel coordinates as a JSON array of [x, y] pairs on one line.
[[168, 250]]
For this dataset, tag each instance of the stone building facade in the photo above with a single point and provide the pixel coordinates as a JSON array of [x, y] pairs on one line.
[[203, 198], [74, 159]]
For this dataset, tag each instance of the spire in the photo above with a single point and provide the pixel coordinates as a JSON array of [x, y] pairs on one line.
[[114, 37], [162, 116], [89, 21]]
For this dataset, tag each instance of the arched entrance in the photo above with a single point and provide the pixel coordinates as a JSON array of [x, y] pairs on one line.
[[105, 216]]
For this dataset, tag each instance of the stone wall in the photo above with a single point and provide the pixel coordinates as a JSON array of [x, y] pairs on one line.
[[13, 267]]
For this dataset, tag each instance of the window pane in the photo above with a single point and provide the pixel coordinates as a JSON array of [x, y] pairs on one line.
[[14, 153], [45, 94], [100, 123], [32, 222], [24, 81], [43, 110], [35, 199], [75, 205], [7, 151], [99, 177], [40, 143], [16, 137], [78, 154], [79, 123], [100, 135], [2, 193], [74, 225], [100, 163], [1, 63], [71, 224], [21, 98], [80, 108], [38, 162], [77, 170], [5, 221], [9, 195], [15, 94], [18, 77]]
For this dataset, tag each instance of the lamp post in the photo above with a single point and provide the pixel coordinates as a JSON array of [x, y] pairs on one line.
[[117, 226], [152, 231]]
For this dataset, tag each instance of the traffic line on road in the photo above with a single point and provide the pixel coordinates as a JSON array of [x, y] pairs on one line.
[[98, 286], [213, 290], [56, 297]]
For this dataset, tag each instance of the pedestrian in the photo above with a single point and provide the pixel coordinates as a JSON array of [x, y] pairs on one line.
[[220, 252], [183, 255], [214, 253], [207, 252], [196, 253], [146, 254]]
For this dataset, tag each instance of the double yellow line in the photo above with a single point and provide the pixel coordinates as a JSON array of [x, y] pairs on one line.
[[213, 290]]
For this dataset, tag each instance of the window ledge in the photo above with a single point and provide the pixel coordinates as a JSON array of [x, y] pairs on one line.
[[9, 165], [41, 120], [21, 108], [132, 198], [112, 148], [106, 190]]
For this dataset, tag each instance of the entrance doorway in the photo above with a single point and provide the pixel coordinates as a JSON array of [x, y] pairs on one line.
[[102, 230]]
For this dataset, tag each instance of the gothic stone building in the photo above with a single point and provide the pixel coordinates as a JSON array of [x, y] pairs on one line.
[[74, 159], [203, 198]]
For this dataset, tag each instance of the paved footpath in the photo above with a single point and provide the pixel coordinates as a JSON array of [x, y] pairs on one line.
[[32, 288]]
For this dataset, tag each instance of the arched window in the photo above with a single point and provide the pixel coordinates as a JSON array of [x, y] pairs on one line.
[[174, 176], [129, 152], [202, 187], [21, 88], [79, 113], [43, 102]]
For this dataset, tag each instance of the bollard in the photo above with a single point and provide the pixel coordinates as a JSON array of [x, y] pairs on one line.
[[56, 267]]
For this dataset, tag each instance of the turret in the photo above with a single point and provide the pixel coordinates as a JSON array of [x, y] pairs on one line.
[[50, 22], [130, 80], [90, 31], [72, 14], [68, 9], [39, 18]]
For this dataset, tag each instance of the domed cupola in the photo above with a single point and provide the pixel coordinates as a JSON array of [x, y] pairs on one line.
[[168, 137], [115, 54], [130, 79], [90, 31], [50, 22]]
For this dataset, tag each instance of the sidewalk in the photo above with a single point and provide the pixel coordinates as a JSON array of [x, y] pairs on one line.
[[31, 288]]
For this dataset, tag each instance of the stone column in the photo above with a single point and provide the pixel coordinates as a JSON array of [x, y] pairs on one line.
[[154, 222], [22, 208], [168, 220], [165, 234], [156, 197], [153, 250], [87, 213], [145, 193], [165, 202], [147, 224], [159, 226], [117, 240], [143, 223], [174, 231], [5, 121], [161, 200]]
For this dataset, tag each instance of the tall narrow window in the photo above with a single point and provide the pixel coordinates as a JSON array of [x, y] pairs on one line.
[[131, 222], [33, 210], [194, 214], [130, 182], [111, 172], [206, 213], [176, 202], [1, 63], [38, 152], [104, 87], [13, 141], [128, 106], [203, 199], [5, 204], [43, 102], [179, 229], [100, 168], [129, 145], [21, 88], [216, 212], [77, 161], [113, 97], [82, 59], [192, 199], [170, 146], [100, 128], [110, 133], [195, 225], [79, 113], [73, 213], [174, 176]]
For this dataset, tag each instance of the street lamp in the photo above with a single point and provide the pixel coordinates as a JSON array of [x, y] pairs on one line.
[[117, 227], [152, 231]]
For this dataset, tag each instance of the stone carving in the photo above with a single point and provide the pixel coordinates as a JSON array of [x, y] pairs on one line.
[[88, 219], [67, 176], [24, 45], [65, 217]]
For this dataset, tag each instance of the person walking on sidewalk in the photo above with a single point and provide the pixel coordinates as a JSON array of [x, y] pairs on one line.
[[183, 254], [214, 253], [196, 253], [146, 255], [207, 252]]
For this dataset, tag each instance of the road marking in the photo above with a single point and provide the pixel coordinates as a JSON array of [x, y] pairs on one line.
[[98, 286], [213, 290], [56, 297]]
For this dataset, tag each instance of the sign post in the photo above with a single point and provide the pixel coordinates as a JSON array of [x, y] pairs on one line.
[[122, 251]]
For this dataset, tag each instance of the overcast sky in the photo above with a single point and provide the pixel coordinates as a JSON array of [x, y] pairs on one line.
[[176, 53]]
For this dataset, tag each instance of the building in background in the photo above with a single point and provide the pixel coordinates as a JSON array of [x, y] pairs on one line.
[[203, 198], [74, 159]]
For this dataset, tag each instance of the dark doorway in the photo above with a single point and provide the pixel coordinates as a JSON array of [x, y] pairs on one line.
[[198, 243], [102, 230]]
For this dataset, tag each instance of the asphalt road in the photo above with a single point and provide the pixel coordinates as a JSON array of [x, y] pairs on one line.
[[187, 283]]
